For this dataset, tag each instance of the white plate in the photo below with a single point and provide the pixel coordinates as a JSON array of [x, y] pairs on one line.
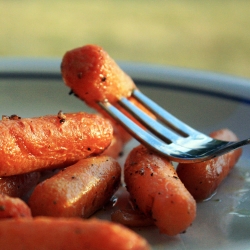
[[206, 101]]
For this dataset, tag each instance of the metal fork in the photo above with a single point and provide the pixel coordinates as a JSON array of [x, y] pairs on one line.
[[168, 135]]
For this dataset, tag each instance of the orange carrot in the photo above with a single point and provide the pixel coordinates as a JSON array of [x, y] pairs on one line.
[[156, 189], [32, 144], [62, 233], [203, 178], [18, 185], [94, 76], [13, 208], [77, 191]]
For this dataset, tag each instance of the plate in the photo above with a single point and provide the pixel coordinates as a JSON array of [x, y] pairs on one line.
[[207, 101]]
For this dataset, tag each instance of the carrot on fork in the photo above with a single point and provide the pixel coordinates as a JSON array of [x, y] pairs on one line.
[[52, 141], [94, 76]]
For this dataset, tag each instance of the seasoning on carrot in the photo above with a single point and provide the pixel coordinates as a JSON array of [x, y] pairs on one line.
[[94, 76], [13, 208], [64, 233], [155, 187], [203, 178], [18, 185], [78, 190], [33, 144]]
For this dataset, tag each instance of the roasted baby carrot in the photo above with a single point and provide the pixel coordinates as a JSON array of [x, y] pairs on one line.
[[202, 179], [94, 76], [13, 208], [18, 185], [155, 187], [47, 142], [78, 190], [64, 234]]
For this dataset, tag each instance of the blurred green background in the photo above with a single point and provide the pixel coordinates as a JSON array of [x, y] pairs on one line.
[[209, 35]]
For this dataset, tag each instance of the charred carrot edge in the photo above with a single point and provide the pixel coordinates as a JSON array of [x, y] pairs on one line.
[[18, 185], [63, 233], [13, 208], [155, 187], [202, 179], [77, 191], [40, 143]]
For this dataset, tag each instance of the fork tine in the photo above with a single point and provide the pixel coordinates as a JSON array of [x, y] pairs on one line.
[[132, 127], [167, 118], [151, 124], [173, 152], [191, 149]]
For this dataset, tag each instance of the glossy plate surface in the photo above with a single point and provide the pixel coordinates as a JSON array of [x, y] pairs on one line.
[[205, 100]]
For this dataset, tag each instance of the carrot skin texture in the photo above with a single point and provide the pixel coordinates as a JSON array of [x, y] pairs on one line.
[[94, 76], [64, 234], [77, 191], [155, 187], [13, 208], [202, 179], [33, 144], [18, 185]]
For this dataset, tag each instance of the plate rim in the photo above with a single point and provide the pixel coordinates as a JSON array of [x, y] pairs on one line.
[[202, 82]]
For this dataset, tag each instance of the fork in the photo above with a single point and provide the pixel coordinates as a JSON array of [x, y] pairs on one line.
[[166, 134]]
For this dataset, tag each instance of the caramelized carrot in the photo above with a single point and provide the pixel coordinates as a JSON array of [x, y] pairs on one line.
[[48, 142], [203, 178], [13, 208], [63, 233], [18, 185], [77, 191], [94, 76], [156, 189]]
